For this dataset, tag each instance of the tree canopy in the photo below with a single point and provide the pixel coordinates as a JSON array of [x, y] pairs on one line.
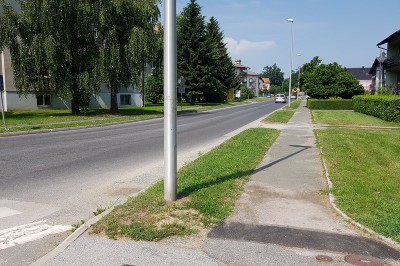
[[274, 73], [328, 80], [52, 48], [67, 47]]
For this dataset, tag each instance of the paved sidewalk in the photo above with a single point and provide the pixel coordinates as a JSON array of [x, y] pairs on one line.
[[282, 218]]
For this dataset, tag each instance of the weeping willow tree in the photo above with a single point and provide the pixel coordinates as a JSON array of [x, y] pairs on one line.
[[53, 48], [125, 34]]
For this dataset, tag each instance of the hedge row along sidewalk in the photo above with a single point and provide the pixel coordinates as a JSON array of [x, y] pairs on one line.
[[207, 189]]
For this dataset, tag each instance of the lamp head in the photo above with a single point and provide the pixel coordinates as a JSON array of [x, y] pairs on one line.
[[290, 20]]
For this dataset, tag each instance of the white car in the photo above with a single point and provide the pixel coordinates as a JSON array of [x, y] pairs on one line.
[[280, 98]]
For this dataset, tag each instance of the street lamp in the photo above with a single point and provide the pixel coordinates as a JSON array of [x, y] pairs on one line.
[[298, 83], [291, 58]]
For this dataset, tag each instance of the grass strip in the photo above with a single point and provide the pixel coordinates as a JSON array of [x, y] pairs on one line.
[[280, 116], [364, 167], [208, 189], [293, 105], [348, 118]]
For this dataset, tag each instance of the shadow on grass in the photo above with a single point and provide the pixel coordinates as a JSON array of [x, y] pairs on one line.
[[185, 192]]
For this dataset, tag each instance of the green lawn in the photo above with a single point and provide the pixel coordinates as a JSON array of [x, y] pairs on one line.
[[280, 116], [208, 189], [347, 118], [364, 167]]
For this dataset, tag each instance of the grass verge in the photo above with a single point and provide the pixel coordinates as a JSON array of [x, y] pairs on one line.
[[207, 187], [283, 116], [365, 171], [280, 116], [348, 118]]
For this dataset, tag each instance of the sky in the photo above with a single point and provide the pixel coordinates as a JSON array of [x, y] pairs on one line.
[[343, 31]]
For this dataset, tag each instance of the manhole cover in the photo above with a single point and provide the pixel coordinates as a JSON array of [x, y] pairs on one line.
[[324, 258], [363, 260]]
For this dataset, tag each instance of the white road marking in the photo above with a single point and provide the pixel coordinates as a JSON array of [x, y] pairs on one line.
[[28, 232], [6, 212]]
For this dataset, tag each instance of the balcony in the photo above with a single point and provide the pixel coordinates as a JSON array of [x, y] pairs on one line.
[[392, 62]]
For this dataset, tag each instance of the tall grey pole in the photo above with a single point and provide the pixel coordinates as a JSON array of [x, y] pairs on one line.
[[170, 100], [2, 110], [298, 85], [291, 58]]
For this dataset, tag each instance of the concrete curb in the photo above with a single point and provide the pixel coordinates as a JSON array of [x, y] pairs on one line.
[[77, 233]]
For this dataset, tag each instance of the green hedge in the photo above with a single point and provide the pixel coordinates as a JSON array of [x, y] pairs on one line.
[[385, 107], [331, 104]]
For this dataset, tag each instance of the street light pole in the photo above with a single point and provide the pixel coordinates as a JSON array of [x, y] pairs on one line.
[[291, 58], [298, 85], [170, 99]]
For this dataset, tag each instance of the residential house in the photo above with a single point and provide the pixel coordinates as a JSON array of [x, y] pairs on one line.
[[363, 76], [386, 67], [248, 78], [266, 86], [131, 96]]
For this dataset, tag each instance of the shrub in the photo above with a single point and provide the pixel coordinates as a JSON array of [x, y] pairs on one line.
[[154, 89], [385, 107], [246, 93], [331, 104]]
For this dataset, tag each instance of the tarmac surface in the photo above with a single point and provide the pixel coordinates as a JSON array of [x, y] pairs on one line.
[[282, 218]]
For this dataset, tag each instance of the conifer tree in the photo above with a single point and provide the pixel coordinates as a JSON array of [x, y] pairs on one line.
[[192, 49], [221, 68]]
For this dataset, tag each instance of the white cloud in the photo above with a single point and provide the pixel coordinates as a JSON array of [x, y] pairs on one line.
[[243, 47], [252, 54]]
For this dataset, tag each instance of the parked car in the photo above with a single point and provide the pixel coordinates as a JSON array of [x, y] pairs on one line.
[[280, 98]]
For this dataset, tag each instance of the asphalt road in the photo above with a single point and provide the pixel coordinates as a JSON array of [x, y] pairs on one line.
[[60, 178]]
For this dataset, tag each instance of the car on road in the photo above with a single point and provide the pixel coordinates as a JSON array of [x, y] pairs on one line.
[[280, 98]]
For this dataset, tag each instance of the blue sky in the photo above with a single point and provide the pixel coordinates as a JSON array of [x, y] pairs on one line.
[[342, 31]]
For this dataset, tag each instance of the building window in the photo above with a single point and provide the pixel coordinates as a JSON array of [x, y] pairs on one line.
[[125, 99], [43, 100]]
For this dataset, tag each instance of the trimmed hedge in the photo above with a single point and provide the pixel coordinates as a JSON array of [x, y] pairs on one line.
[[385, 107], [330, 104]]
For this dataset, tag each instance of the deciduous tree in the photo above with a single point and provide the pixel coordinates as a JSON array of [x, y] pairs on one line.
[[53, 49], [274, 73]]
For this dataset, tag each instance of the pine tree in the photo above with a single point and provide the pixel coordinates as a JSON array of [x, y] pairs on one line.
[[221, 68], [191, 50]]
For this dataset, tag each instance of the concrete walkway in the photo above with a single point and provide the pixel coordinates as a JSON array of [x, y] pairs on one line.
[[282, 218]]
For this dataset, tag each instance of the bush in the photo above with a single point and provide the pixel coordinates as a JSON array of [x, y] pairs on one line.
[[331, 104], [385, 107], [246, 93], [154, 89], [384, 91]]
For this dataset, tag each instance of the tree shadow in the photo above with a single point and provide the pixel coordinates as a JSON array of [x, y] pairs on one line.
[[303, 148], [187, 191]]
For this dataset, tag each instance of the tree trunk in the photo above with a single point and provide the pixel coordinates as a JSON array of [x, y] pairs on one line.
[[75, 105], [114, 101]]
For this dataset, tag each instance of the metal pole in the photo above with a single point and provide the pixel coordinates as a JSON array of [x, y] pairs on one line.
[[2, 111], [170, 99], [291, 60], [298, 85]]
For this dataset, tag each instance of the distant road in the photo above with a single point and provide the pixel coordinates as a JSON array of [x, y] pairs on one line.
[[62, 177]]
